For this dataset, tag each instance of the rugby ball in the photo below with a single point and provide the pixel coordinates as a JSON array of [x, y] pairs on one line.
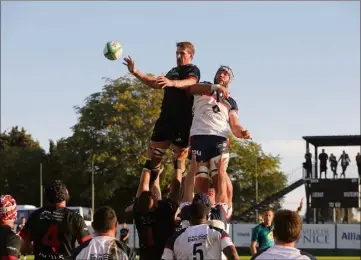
[[113, 50]]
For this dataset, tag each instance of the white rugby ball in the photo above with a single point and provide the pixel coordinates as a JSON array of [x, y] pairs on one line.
[[113, 50]]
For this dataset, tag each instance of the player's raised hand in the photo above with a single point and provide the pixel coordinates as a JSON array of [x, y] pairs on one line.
[[129, 62], [224, 91], [194, 164], [245, 134]]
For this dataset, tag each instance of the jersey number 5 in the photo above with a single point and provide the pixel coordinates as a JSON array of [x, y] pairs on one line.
[[51, 238], [197, 251]]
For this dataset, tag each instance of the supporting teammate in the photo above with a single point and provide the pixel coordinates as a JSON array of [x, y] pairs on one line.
[[104, 245], [200, 240], [172, 127], [214, 113], [9, 241], [154, 217], [220, 206], [53, 229]]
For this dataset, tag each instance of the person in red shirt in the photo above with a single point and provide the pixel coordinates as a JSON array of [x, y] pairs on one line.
[[9, 241]]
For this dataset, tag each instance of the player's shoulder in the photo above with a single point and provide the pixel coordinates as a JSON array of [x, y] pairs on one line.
[[311, 257], [232, 102], [12, 239], [168, 203], [172, 239], [254, 257], [79, 248], [217, 230]]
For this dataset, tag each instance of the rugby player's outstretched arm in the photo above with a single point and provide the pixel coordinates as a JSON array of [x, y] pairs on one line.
[[148, 80], [231, 253], [207, 87], [175, 187], [237, 130], [189, 181], [144, 182], [184, 83]]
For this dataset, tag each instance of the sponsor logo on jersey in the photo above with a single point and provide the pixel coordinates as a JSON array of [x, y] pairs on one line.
[[196, 238]]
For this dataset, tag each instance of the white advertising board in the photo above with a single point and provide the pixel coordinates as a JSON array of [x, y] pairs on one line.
[[348, 236], [242, 234], [317, 236]]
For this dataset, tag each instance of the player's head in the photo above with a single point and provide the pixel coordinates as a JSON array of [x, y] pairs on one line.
[[323, 150], [23, 220], [185, 53], [57, 193], [267, 216], [124, 225], [212, 195], [146, 201], [105, 221], [287, 226], [224, 76], [8, 211], [199, 209]]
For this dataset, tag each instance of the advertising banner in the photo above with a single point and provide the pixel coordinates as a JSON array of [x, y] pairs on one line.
[[242, 234], [317, 236], [348, 236]]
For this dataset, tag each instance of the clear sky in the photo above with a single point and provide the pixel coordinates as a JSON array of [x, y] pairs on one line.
[[297, 64]]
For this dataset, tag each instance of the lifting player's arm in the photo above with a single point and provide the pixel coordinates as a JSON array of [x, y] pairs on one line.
[[237, 130], [148, 80], [176, 182], [221, 196], [189, 181], [190, 77]]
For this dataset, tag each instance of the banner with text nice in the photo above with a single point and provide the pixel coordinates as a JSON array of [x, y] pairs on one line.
[[348, 236], [317, 236]]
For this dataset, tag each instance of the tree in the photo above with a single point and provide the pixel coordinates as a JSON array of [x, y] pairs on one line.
[[113, 131], [20, 157], [248, 164]]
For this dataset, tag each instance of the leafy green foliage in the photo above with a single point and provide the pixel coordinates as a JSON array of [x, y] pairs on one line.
[[113, 131]]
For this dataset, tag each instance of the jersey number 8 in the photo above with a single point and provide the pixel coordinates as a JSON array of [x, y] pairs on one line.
[[197, 251]]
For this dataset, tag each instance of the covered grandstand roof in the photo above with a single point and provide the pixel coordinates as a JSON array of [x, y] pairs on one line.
[[334, 140]]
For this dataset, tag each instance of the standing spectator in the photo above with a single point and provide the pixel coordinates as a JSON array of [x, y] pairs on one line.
[[358, 162], [345, 161], [104, 244], [124, 234], [323, 157], [263, 233], [9, 241], [287, 229], [308, 164], [21, 225], [333, 163]]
